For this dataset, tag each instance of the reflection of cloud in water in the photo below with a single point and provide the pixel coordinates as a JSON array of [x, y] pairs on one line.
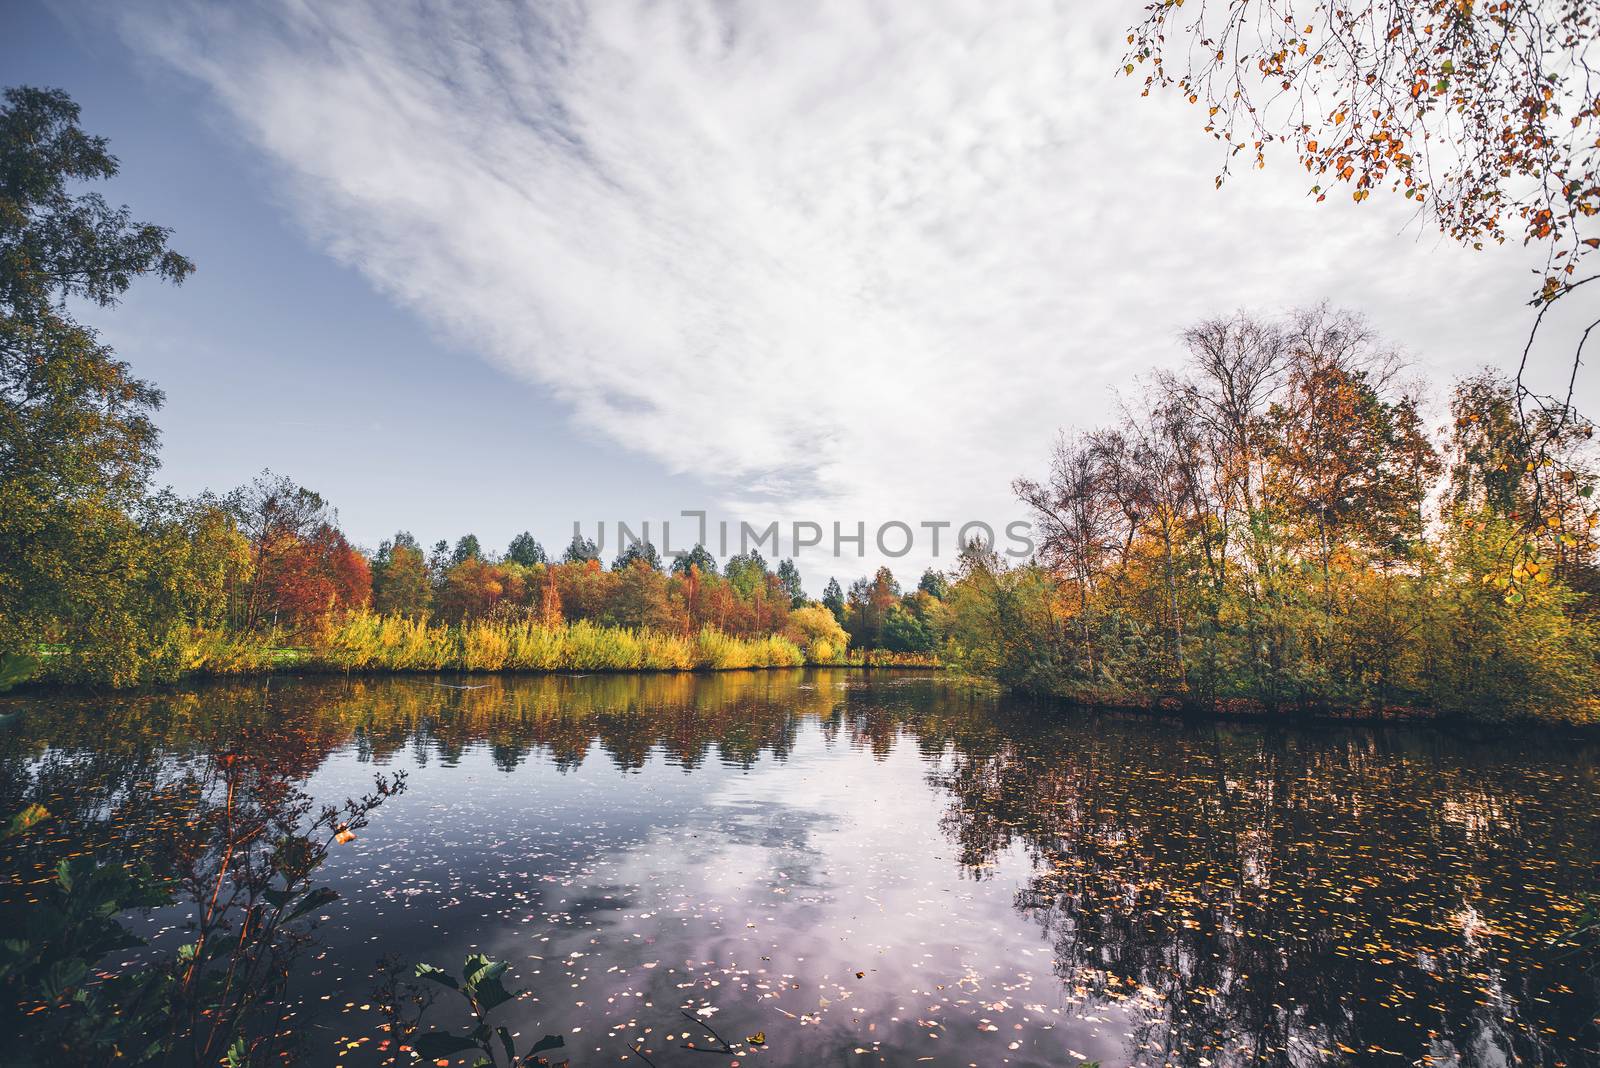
[[1015, 886]]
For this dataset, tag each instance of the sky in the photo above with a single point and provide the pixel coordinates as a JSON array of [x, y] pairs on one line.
[[502, 266]]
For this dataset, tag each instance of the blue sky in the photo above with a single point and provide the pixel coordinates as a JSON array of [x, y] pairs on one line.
[[499, 267], [275, 355]]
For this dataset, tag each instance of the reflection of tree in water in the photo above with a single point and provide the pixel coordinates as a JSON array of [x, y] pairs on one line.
[[1243, 896], [1255, 899]]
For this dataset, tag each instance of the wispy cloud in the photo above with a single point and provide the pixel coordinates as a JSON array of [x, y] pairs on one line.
[[838, 258]]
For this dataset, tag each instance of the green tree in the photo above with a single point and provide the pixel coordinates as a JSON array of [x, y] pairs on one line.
[[525, 550], [81, 542], [400, 581], [746, 572], [467, 548], [637, 552], [833, 599], [580, 550], [697, 557], [789, 579], [934, 583]]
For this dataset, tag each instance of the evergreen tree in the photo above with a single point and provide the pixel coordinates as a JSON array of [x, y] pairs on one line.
[[525, 550], [789, 578]]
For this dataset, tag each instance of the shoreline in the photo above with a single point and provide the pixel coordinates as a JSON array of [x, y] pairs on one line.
[[1246, 711], [1252, 711]]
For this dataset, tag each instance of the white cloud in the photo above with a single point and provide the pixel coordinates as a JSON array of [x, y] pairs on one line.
[[843, 260]]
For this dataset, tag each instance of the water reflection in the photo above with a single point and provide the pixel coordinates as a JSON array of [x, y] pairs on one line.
[[1013, 885]]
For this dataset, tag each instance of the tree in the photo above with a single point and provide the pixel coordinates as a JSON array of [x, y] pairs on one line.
[[746, 573], [903, 632], [580, 550], [308, 577], [639, 598], [474, 587], [833, 599], [697, 558], [274, 513], [77, 443], [1480, 114], [789, 579], [56, 244], [525, 550], [400, 581], [814, 629], [467, 548], [934, 583], [1485, 116], [637, 552]]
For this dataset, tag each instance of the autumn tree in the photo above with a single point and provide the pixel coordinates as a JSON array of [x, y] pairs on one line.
[[1484, 116], [274, 513], [400, 580]]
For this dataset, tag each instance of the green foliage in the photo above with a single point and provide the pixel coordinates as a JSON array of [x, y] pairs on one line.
[[746, 572], [833, 599], [904, 632], [525, 550], [697, 558], [16, 668], [467, 548], [789, 579], [481, 986], [580, 550], [641, 553]]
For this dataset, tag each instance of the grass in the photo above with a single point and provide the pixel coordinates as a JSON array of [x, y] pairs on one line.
[[368, 642]]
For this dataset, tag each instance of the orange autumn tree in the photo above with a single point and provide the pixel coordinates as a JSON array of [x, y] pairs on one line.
[[305, 580]]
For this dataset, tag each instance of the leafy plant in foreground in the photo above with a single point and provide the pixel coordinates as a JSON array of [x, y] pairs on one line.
[[482, 987]]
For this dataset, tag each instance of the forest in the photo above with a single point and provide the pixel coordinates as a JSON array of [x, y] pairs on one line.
[[1273, 526]]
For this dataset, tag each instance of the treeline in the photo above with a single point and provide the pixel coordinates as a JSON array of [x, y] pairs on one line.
[[1275, 528], [106, 580]]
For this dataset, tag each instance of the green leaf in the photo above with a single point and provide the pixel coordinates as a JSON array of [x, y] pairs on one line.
[[507, 1045], [15, 668], [547, 1042], [482, 982], [314, 900], [438, 975]]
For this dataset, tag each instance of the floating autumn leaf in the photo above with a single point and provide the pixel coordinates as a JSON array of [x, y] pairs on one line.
[[757, 1039], [26, 819], [344, 836]]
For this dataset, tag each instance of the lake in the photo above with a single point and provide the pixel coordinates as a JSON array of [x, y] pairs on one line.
[[884, 868]]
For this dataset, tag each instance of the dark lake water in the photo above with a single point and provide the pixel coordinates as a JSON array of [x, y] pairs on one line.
[[889, 868]]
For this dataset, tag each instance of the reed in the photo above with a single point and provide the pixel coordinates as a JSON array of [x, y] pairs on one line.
[[215, 652], [366, 641]]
